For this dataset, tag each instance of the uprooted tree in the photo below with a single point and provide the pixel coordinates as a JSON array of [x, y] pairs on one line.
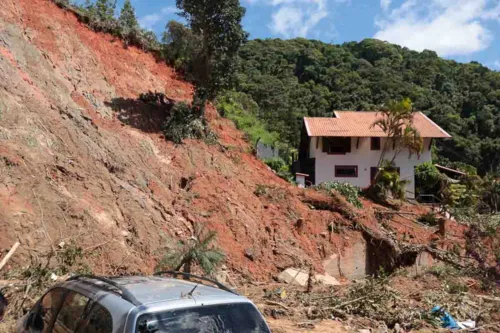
[[217, 23], [396, 121]]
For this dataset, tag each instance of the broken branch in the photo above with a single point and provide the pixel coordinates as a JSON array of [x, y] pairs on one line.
[[9, 254]]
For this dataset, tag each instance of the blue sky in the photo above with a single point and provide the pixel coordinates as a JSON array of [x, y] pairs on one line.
[[463, 30]]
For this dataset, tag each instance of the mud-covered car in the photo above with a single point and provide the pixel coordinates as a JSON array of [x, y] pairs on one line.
[[143, 304]]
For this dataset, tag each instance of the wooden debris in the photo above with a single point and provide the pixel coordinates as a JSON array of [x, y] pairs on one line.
[[9, 255]]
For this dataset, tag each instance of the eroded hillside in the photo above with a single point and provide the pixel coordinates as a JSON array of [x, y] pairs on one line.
[[82, 160]]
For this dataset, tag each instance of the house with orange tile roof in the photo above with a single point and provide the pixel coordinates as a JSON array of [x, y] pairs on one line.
[[347, 148]]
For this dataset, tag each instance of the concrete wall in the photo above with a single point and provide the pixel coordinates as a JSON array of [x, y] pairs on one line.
[[351, 264], [365, 158]]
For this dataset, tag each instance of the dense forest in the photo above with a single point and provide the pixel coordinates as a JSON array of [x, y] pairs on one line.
[[289, 79]]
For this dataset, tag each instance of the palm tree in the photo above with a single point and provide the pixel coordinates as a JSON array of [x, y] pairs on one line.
[[196, 250], [397, 123]]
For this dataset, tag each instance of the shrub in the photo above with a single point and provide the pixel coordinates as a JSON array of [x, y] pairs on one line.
[[388, 182], [349, 191], [280, 167], [428, 218], [428, 178], [242, 110], [185, 123]]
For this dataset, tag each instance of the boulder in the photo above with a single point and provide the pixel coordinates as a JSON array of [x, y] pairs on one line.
[[294, 276], [327, 280]]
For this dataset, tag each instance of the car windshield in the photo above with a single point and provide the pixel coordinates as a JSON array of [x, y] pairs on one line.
[[226, 318]]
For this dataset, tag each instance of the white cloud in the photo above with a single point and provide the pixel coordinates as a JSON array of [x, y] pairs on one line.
[[496, 64], [149, 21], [296, 18], [385, 4], [449, 27]]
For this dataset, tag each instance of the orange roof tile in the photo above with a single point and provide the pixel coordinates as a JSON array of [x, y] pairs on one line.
[[359, 124]]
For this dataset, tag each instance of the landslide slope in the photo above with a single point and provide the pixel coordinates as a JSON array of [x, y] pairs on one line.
[[83, 161]]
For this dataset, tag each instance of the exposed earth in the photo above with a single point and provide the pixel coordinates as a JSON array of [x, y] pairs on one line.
[[83, 161]]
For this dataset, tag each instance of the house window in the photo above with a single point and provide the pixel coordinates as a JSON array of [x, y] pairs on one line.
[[350, 171], [337, 145], [375, 143]]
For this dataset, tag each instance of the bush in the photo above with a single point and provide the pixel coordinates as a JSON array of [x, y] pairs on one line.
[[349, 191], [242, 110], [428, 178], [136, 36], [388, 182], [185, 123], [280, 167], [428, 218]]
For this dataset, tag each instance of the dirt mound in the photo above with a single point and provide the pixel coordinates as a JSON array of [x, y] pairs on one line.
[[83, 161]]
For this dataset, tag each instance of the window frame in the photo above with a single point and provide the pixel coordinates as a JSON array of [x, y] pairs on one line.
[[347, 146], [77, 321], [373, 146], [93, 308], [35, 310], [356, 169]]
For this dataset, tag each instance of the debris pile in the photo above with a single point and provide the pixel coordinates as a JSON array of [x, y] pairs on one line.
[[400, 301]]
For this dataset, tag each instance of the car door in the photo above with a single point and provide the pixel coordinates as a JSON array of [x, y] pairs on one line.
[[72, 313], [41, 318], [98, 320]]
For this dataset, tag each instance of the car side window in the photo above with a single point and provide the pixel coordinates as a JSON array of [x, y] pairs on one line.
[[72, 312], [44, 314], [99, 320]]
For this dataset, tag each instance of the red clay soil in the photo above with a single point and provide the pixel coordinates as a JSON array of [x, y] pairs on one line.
[[82, 161]]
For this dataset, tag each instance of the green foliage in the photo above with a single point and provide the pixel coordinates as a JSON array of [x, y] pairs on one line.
[[128, 23], [218, 23], [105, 10], [242, 109], [281, 168], [388, 183], [181, 47], [459, 195], [100, 16], [197, 250], [397, 121], [428, 175], [428, 218], [184, 123], [429, 180], [349, 191], [490, 194]]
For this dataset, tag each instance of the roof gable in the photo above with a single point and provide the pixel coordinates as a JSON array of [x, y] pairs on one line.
[[359, 124]]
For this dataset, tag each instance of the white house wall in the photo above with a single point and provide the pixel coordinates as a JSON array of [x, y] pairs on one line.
[[365, 158]]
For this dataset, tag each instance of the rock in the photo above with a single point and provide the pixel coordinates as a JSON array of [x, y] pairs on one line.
[[250, 254], [327, 280], [294, 276], [222, 275]]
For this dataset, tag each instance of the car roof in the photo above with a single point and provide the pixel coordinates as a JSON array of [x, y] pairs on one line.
[[146, 290], [154, 289]]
